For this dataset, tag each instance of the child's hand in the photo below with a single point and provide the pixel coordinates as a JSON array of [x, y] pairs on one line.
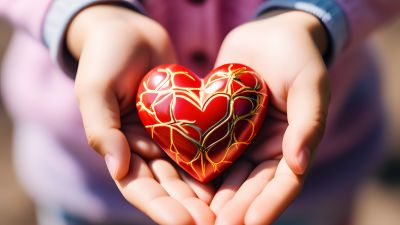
[[285, 49], [115, 48]]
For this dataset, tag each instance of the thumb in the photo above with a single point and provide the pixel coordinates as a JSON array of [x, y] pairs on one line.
[[307, 106], [100, 106], [101, 118]]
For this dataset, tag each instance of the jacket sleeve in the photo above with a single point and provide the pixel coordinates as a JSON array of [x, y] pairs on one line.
[[26, 15]]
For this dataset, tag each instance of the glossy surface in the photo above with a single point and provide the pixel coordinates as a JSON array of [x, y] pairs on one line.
[[202, 124]]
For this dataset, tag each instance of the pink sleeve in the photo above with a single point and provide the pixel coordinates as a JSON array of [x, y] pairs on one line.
[[365, 15], [27, 15]]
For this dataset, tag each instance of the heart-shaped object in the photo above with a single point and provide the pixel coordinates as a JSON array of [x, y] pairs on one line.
[[204, 125]]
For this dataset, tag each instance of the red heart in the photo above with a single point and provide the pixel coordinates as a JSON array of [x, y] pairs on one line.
[[202, 124]]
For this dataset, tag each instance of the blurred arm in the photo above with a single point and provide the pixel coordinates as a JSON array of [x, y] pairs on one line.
[[366, 15], [26, 15]]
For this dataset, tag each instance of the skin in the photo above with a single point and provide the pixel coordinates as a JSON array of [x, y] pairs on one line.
[[116, 47], [285, 48]]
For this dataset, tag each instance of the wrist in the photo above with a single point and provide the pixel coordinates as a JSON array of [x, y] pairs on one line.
[[315, 28], [92, 20], [303, 20]]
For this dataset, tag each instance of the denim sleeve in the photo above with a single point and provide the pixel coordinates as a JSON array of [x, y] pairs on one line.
[[59, 16], [327, 11]]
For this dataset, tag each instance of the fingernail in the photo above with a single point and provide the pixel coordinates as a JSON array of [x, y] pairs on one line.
[[303, 159], [111, 163]]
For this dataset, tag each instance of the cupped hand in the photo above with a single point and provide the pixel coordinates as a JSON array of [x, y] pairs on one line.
[[285, 48], [116, 47]]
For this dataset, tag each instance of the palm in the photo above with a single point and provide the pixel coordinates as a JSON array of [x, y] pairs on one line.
[[290, 64], [270, 171], [106, 88], [259, 174], [152, 181], [267, 168]]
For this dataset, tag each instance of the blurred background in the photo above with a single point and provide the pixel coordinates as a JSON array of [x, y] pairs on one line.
[[378, 201]]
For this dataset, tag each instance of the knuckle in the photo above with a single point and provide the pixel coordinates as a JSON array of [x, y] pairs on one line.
[[318, 127], [94, 141]]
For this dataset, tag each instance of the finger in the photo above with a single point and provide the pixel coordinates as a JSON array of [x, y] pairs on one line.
[[246, 194], [236, 176], [141, 143], [269, 205], [141, 189], [100, 115], [307, 107], [269, 141], [204, 192], [170, 180], [99, 105], [199, 210]]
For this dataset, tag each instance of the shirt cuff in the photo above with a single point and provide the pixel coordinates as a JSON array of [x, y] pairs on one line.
[[58, 18], [327, 11]]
